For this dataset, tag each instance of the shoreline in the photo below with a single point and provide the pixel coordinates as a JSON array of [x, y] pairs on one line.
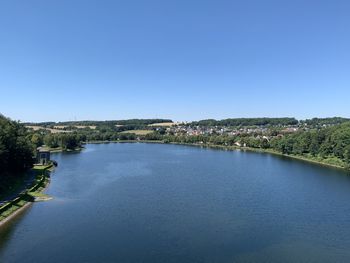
[[265, 151], [300, 158], [10, 217], [45, 179], [124, 141], [59, 150], [230, 148]]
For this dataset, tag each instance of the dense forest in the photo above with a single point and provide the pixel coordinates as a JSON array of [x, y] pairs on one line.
[[16, 151], [330, 142]]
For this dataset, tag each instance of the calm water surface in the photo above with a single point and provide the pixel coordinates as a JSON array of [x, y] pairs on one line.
[[168, 203]]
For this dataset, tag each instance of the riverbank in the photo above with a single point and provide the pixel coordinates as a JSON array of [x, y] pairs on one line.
[[10, 209], [301, 158], [124, 141], [142, 188], [231, 148], [260, 150], [60, 149]]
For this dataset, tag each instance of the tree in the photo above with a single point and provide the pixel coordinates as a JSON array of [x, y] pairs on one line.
[[16, 150], [37, 139], [347, 154]]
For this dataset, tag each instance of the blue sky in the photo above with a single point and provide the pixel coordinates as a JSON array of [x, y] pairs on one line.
[[184, 60]]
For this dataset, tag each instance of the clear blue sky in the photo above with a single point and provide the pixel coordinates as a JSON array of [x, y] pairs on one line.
[[193, 59]]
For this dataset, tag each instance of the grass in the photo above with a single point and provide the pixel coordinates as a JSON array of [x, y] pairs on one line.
[[41, 167], [37, 194], [37, 127], [32, 192], [60, 127], [56, 149], [60, 149], [162, 124], [138, 132], [13, 206], [9, 211]]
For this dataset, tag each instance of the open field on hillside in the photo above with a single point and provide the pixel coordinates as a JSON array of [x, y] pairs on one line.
[[162, 124], [36, 128], [138, 132], [92, 127]]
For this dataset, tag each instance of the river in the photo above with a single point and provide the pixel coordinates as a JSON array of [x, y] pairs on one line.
[[139, 202]]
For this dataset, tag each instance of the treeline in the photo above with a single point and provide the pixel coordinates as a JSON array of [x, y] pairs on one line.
[[95, 128], [74, 140], [222, 140], [108, 136], [16, 151], [142, 121], [327, 142], [130, 122], [66, 141], [247, 122], [326, 139], [323, 139], [318, 122]]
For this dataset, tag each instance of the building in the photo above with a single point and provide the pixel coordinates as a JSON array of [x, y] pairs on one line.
[[42, 156]]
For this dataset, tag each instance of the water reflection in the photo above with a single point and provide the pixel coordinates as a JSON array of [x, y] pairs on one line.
[[169, 203], [7, 229]]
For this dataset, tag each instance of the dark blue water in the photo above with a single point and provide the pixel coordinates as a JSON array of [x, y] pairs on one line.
[[168, 203]]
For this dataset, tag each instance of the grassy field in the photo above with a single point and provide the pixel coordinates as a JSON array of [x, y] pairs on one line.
[[138, 132], [36, 128], [92, 127], [162, 124]]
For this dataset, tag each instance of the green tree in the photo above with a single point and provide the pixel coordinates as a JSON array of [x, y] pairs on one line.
[[16, 149]]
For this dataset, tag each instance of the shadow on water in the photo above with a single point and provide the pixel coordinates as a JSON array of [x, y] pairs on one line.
[[169, 203], [8, 228], [291, 159]]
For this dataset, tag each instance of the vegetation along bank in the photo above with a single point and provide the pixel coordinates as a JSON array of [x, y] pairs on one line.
[[320, 140]]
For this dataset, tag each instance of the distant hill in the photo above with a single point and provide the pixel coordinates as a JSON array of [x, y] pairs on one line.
[[325, 121], [234, 122], [137, 122]]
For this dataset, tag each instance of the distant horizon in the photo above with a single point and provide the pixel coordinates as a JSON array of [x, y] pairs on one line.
[[175, 121]]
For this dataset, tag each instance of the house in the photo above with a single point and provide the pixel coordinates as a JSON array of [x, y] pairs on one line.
[[42, 156]]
